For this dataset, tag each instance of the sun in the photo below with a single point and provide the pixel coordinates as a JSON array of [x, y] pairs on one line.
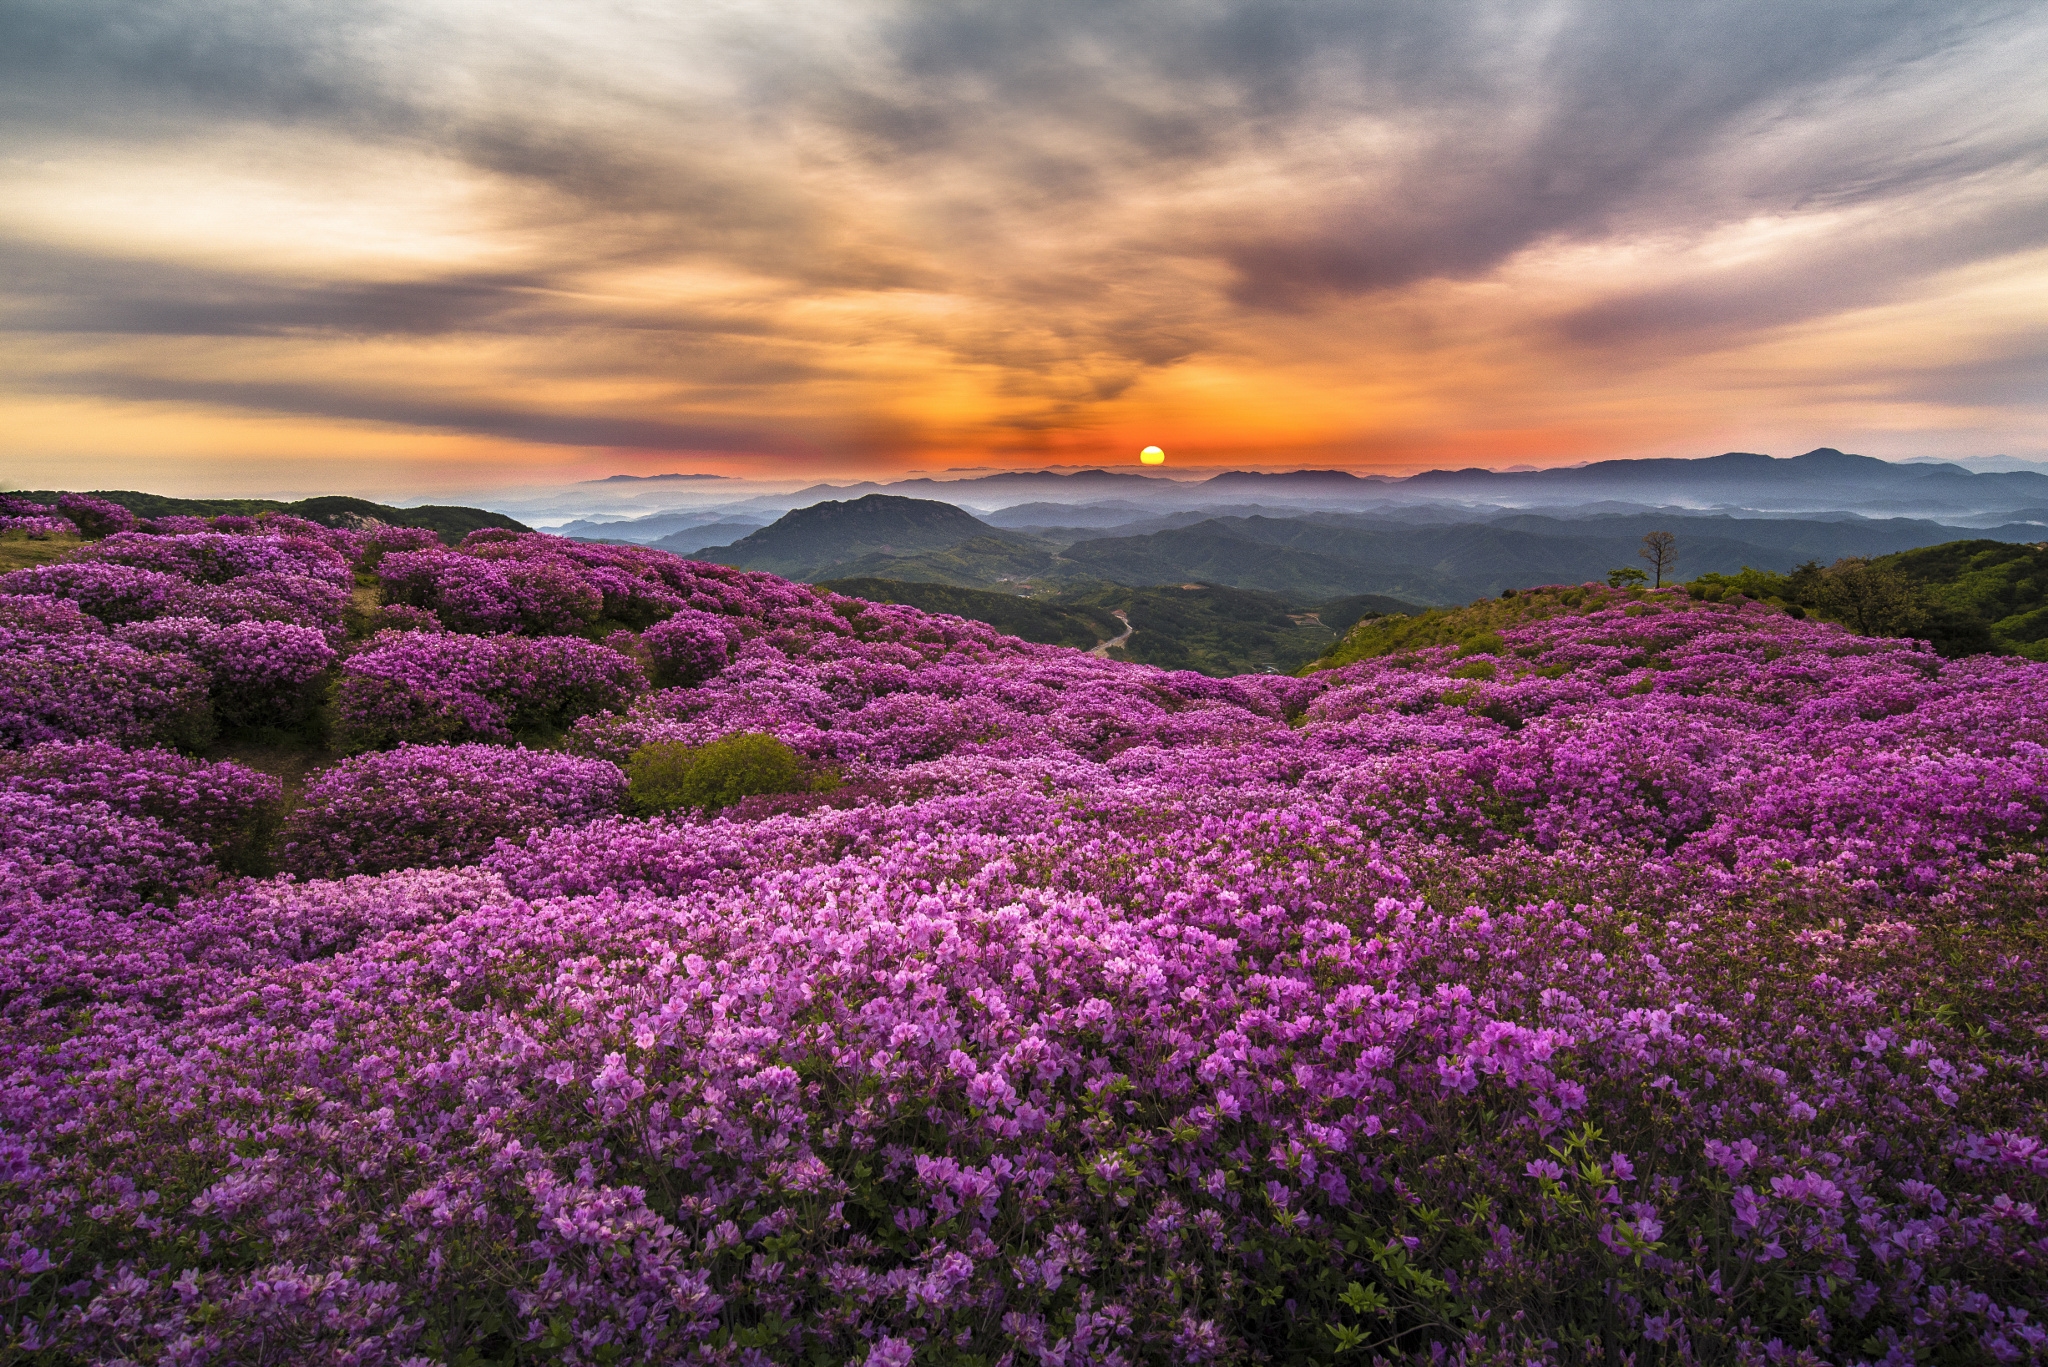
[[1152, 455]]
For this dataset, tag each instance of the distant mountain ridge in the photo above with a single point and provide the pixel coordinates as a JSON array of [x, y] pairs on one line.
[[1308, 559], [1824, 479]]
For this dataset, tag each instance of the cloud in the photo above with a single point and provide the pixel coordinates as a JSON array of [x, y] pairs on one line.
[[944, 227]]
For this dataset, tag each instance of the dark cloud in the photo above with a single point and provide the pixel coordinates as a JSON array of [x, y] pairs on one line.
[[766, 436]]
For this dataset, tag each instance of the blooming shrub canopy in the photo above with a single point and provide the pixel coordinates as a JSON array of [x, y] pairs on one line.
[[428, 806], [1640, 978], [416, 686]]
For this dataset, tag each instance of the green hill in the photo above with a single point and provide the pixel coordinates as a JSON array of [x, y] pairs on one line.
[[1210, 628], [863, 537], [1048, 623], [1205, 627], [1963, 597], [450, 523]]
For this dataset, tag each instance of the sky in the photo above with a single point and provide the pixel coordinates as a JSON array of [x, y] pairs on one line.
[[300, 246]]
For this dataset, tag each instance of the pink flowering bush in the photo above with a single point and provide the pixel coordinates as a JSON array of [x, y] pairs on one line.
[[95, 517], [428, 806], [112, 593], [421, 686], [53, 850], [218, 557], [690, 646], [77, 685], [37, 527], [226, 807], [1649, 980], [262, 674]]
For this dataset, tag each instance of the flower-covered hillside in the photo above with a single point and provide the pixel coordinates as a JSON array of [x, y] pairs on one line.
[[744, 973]]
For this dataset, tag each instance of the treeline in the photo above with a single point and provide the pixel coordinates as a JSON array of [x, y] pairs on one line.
[[1962, 597]]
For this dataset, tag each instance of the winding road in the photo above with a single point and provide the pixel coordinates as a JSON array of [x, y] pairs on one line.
[[1102, 647]]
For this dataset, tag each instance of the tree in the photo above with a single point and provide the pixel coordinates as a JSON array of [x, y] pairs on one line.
[[1871, 600], [1661, 550], [1625, 576]]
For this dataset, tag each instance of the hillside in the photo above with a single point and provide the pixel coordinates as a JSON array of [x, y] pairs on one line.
[[1203, 627], [1495, 990], [1211, 629], [1308, 559], [853, 538], [1048, 622], [1966, 597], [450, 523]]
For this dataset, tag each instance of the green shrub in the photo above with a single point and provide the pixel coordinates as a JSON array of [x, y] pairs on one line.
[[668, 775]]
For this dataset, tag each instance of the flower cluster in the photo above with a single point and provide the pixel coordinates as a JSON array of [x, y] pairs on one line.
[[499, 581], [1651, 978], [226, 807], [262, 673], [95, 517], [428, 806], [77, 685], [423, 686], [215, 557]]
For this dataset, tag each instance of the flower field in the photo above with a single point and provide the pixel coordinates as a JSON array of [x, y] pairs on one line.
[[1644, 980]]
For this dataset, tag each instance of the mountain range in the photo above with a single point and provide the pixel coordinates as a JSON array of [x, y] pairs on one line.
[[1306, 559], [1821, 480]]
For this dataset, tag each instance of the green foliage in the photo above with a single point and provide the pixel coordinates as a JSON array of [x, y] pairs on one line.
[[1963, 597], [18, 552], [1206, 627], [1210, 628], [669, 775], [1625, 576]]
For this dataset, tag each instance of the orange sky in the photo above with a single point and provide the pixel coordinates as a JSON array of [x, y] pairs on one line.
[[449, 246]]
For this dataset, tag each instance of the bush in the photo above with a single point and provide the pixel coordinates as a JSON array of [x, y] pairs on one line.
[[74, 686], [423, 806], [264, 674], [689, 647], [424, 687], [229, 808], [112, 593], [95, 517], [668, 775]]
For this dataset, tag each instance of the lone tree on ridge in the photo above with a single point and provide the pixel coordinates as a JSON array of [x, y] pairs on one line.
[[1661, 550]]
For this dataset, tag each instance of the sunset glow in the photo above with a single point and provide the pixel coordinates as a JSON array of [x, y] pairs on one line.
[[445, 246]]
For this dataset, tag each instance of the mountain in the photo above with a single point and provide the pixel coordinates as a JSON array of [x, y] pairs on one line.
[[1252, 553], [1963, 597], [847, 539], [1307, 559], [1210, 628], [984, 562], [1203, 627], [1821, 480]]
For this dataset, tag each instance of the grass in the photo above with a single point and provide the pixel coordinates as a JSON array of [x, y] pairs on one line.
[[19, 553]]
